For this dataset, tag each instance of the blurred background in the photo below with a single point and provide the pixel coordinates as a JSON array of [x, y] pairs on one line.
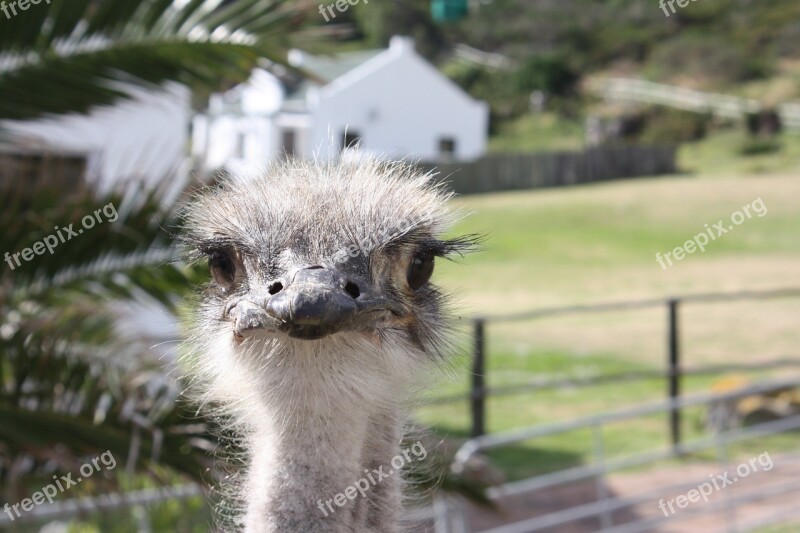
[[608, 365]]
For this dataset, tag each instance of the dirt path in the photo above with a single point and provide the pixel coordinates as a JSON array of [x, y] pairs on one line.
[[720, 512]]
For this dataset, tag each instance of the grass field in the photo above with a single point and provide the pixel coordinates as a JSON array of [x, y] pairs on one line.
[[598, 243]]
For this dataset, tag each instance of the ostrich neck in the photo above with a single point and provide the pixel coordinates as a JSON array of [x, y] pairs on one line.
[[316, 438]]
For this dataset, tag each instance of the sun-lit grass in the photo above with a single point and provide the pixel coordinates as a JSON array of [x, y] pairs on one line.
[[719, 155], [620, 439], [598, 243]]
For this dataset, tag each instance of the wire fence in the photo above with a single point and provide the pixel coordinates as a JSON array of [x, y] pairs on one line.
[[673, 374], [603, 509], [448, 515]]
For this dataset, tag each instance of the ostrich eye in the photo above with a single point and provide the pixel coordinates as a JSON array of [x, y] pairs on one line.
[[420, 270], [223, 268]]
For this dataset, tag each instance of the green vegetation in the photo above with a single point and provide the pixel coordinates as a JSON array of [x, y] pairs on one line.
[[73, 382], [550, 47], [718, 43], [726, 153], [599, 241], [538, 132], [144, 42], [785, 528], [545, 248], [570, 449], [595, 244]]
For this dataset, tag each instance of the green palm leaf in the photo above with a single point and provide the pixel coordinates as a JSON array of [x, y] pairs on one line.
[[71, 384], [83, 49]]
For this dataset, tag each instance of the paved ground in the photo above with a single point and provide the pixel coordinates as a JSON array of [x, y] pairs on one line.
[[720, 513]]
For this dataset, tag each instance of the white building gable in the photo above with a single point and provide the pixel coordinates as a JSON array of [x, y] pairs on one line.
[[392, 102]]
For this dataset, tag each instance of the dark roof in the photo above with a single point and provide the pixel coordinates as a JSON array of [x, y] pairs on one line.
[[323, 70]]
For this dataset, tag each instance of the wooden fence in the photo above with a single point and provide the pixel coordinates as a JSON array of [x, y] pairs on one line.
[[23, 170], [504, 172]]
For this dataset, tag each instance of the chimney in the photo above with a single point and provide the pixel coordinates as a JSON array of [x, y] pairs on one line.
[[401, 44]]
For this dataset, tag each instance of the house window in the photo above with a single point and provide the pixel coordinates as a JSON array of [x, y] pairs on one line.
[[289, 142], [447, 147], [351, 139]]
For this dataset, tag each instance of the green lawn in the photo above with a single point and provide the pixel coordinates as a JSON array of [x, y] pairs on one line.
[[719, 155], [598, 243], [716, 155]]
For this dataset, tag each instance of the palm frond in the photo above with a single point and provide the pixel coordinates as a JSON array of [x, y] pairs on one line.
[[70, 384], [93, 52]]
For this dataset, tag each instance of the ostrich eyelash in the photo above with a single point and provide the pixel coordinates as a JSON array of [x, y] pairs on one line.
[[448, 248], [206, 250]]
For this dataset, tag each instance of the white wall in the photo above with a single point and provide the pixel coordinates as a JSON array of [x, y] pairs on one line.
[[242, 116], [399, 103], [144, 138], [219, 145], [401, 106]]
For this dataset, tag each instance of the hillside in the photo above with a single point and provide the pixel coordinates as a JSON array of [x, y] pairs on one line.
[[740, 47]]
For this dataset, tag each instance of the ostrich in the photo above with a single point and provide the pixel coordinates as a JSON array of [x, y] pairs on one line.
[[319, 324]]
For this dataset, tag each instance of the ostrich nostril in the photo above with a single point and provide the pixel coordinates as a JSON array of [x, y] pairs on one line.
[[352, 289], [275, 288]]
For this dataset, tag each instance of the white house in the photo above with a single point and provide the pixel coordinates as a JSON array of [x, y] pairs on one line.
[[391, 102]]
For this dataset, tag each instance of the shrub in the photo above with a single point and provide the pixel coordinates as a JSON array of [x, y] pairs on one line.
[[709, 57], [760, 146], [663, 125], [550, 74]]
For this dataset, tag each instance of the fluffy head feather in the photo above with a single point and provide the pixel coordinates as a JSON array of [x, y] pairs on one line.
[[368, 222]]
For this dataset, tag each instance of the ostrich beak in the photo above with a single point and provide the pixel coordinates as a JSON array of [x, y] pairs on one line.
[[316, 303]]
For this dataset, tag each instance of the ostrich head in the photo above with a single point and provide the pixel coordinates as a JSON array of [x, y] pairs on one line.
[[319, 318]]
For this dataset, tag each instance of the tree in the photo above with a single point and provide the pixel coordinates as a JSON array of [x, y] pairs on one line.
[[412, 18], [66, 56], [72, 385]]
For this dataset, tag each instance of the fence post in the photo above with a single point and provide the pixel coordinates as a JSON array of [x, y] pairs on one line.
[[674, 375], [478, 395]]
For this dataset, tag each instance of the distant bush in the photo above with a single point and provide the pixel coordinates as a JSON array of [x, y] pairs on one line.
[[705, 13], [655, 125], [497, 87], [760, 146], [788, 44], [710, 57], [663, 125], [764, 123], [551, 74]]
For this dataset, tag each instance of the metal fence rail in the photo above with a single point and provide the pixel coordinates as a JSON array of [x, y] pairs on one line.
[[448, 514], [107, 502], [674, 369], [604, 506]]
